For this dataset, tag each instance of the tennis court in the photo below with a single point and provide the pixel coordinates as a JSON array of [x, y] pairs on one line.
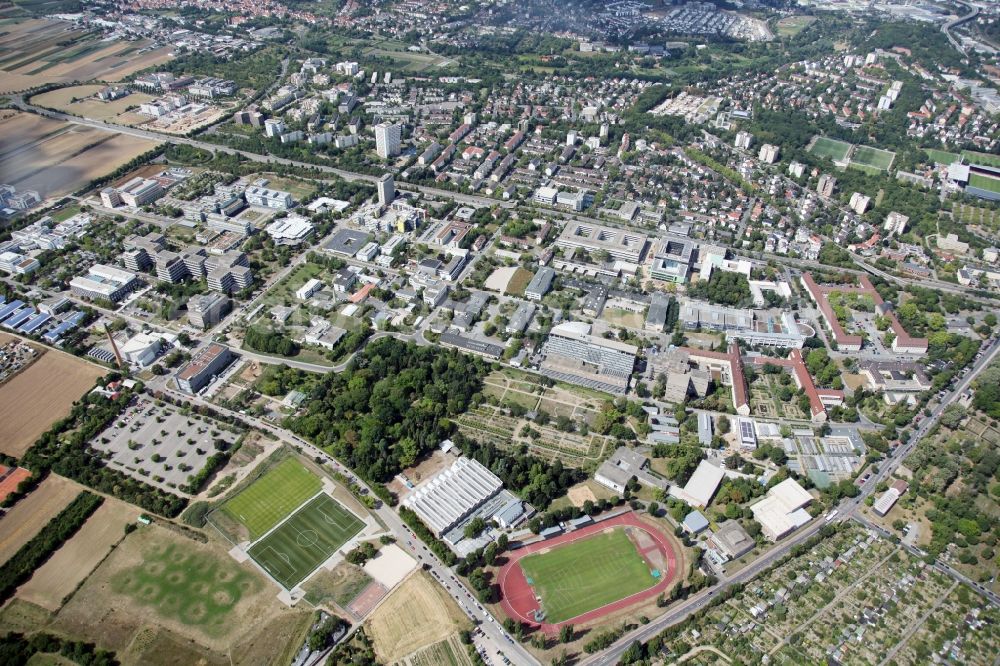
[[830, 148], [308, 538], [267, 501]]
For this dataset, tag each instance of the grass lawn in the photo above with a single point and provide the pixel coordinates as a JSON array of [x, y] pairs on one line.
[[584, 575], [306, 540], [272, 497], [519, 282], [189, 586], [941, 156], [867, 168], [984, 182], [830, 148]]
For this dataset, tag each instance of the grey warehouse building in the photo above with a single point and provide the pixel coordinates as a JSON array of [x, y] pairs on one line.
[[455, 495]]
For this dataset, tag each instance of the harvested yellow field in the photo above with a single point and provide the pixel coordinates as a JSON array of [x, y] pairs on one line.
[[416, 614], [57, 158], [80, 101], [32, 513], [72, 563], [39, 396], [41, 51]]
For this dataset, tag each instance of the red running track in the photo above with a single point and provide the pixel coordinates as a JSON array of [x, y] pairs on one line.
[[519, 598]]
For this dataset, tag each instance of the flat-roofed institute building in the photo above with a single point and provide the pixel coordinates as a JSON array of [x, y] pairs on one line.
[[573, 355], [624, 463], [104, 283], [672, 260], [206, 363], [701, 487], [731, 541], [782, 511], [618, 243]]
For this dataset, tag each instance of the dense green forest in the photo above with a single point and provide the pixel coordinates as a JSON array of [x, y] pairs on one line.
[[391, 406]]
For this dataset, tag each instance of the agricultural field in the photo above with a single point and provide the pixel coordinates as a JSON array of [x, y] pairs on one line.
[[584, 575], [57, 158], [448, 652], [72, 563], [80, 101], [270, 498], [160, 579], [36, 52], [40, 395], [308, 538], [832, 149], [417, 614], [31, 514], [872, 157]]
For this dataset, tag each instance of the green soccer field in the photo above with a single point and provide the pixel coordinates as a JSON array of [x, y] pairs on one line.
[[584, 575], [830, 148], [873, 157], [267, 501], [984, 182], [304, 541], [942, 156], [986, 159]]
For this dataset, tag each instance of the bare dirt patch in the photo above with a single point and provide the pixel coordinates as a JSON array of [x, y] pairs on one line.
[[34, 399], [72, 563], [417, 614], [580, 494], [32, 513]]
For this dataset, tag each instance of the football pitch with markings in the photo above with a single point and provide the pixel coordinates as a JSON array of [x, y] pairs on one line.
[[267, 501], [308, 538]]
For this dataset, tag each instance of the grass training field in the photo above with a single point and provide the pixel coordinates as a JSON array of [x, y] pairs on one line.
[[873, 157], [986, 159], [942, 156], [303, 542], [984, 182], [581, 576], [272, 497], [830, 148]]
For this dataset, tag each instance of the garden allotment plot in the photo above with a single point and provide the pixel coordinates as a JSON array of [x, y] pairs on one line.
[[308, 538]]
